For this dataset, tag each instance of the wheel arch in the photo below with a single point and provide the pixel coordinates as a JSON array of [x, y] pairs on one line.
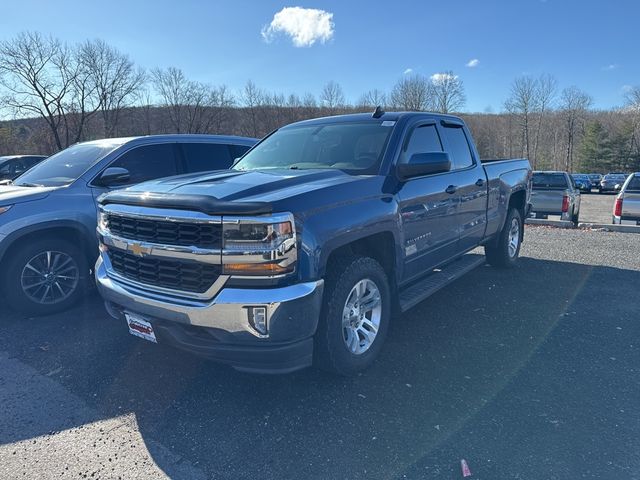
[[59, 229]]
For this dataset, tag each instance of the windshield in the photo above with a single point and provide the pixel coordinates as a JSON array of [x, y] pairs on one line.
[[353, 147], [549, 180], [65, 166]]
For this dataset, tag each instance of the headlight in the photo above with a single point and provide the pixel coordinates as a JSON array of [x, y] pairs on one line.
[[102, 221], [5, 208], [259, 246]]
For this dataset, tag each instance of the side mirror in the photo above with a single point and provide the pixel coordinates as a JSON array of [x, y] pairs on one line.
[[424, 164], [113, 176]]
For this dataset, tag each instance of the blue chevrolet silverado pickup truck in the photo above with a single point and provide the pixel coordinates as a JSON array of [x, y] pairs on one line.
[[304, 250]]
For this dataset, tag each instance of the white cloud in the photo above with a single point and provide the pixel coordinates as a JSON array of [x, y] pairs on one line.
[[626, 88], [474, 62], [611, 66], [305, 26], [408, 71], [441, 77]]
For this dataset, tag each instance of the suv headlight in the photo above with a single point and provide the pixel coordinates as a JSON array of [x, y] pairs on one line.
[[259, 246], [5, 208]]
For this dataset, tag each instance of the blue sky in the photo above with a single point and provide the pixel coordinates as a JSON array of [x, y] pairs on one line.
[[591, 44]]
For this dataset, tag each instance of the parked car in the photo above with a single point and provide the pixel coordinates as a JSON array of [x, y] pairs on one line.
[[627, 204], [555, 193], [610, 180], [595, 179], [298, 254], [583, 182], [12, 166], [48, 216]]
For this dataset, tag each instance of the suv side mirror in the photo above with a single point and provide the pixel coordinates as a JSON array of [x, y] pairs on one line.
[[424, 164], [113, 176]]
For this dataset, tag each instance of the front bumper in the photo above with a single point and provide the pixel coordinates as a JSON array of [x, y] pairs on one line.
[[219, 328]]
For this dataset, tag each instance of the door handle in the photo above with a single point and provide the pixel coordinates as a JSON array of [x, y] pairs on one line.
[[451, 189], [480, 182]]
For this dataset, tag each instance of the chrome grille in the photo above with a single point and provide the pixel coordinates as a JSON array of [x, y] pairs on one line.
[[181, 275], [197, 234]]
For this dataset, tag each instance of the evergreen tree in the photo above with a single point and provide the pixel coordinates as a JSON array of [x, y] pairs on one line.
[[596, 150]]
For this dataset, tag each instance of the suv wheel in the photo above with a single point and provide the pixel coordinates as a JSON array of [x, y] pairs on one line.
[[355, 316], [45, 276], [504, 252]]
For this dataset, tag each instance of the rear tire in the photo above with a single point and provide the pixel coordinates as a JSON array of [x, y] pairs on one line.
[[575, 218], [350, 335], [504, 252], [45, 276]]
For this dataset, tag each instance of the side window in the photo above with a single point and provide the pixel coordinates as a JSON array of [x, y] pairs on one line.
[[424, 139], [238, 150], [200, 157], [458, 147], [148, 162]]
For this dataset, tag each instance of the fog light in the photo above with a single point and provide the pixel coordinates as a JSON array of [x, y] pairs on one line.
[[258, 319]]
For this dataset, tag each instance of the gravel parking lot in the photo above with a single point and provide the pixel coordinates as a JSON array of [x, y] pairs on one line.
[[529, 373], [596, 208]]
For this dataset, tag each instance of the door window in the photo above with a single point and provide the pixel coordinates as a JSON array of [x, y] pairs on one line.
[[148, 162], [201, 157], [458, 147], [424, 139]]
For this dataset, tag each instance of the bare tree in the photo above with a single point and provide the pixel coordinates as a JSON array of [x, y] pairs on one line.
[[252, 98], [522, 103], [172, 85], [37, 77], [413, 93], [545, 95], [448, 91], [574, 105], [193, 107], [332, 96], [372, 99], [115, 78]]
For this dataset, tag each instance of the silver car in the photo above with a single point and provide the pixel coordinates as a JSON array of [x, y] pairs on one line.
[[555, 193], [48, 215], [627, 204], [609, 182]]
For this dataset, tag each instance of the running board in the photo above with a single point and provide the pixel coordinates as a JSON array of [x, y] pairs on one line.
[[426, 287]]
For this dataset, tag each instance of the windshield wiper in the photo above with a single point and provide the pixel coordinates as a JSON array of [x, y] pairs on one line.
[[27, 184]]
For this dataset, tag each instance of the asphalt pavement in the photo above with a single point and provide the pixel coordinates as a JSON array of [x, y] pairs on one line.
[[529, 373]]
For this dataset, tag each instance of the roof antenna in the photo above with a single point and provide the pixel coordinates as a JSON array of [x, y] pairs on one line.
[[378, 113]]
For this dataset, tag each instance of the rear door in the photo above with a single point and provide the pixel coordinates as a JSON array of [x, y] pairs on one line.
[[427, 210], [470, 184]]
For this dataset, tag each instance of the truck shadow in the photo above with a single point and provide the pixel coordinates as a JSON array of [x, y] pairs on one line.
[[444, 362]]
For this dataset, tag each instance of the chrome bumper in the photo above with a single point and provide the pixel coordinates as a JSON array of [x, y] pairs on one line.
[[292, 311]]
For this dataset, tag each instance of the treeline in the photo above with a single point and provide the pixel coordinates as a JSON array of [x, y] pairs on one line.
[[53, 95]]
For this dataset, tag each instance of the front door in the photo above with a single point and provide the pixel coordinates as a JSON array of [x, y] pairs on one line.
[[427, 209]]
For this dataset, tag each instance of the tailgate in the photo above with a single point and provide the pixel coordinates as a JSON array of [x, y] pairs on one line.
[[547, 200]]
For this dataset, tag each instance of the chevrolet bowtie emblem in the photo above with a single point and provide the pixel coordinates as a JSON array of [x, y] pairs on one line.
[[138, 249]]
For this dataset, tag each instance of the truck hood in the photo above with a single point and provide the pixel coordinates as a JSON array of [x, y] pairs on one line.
[[10, 194], [233, 185], [231, 191]]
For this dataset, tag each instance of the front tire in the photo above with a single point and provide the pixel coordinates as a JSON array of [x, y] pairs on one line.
[[504, 252], [355, 316], [45, 276]]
